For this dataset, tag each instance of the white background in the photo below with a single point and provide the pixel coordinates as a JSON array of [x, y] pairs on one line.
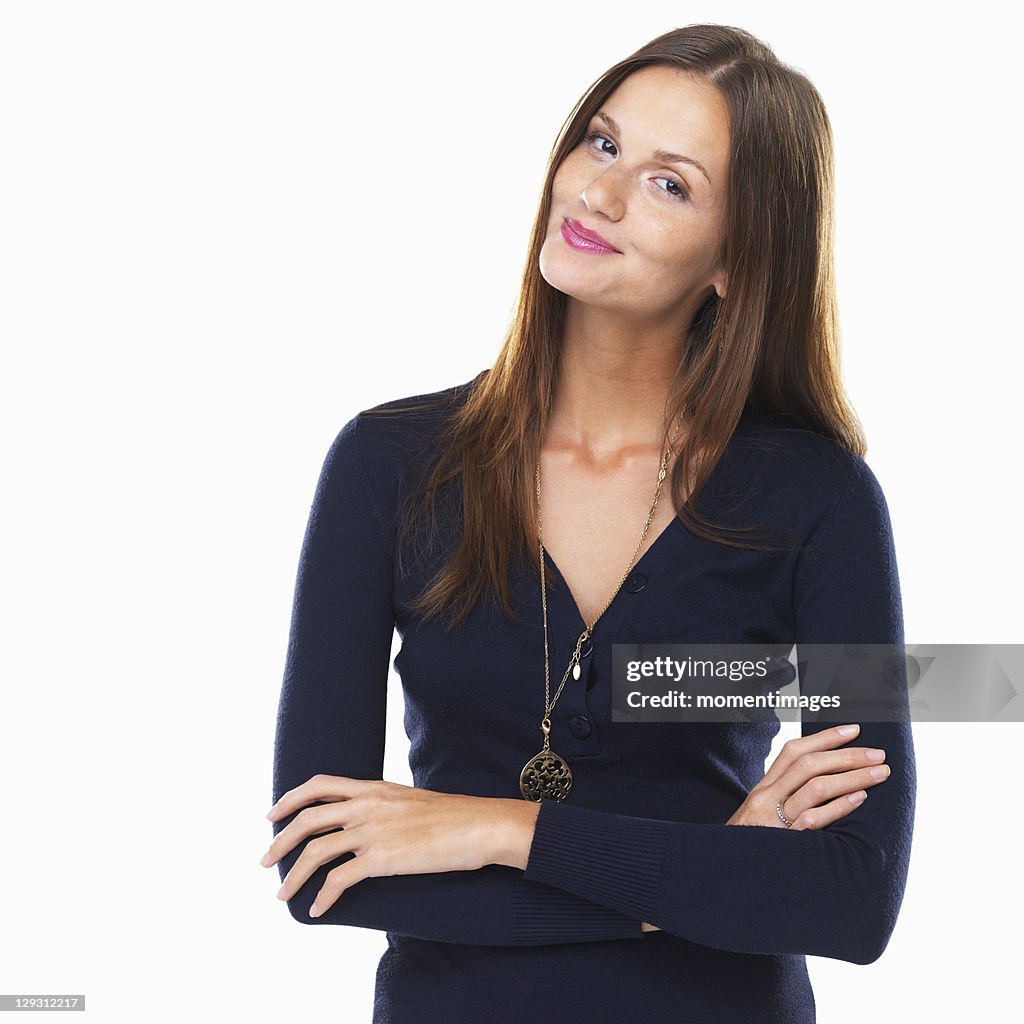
[[226, 228]]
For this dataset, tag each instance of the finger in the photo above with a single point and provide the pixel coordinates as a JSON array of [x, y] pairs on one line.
[[827, 787], [319, 787], [816, 766], [313, 821], [818, 817], [793, 749], [338, 880], [318, 852]]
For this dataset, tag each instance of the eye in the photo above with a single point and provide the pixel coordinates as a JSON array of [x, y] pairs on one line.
[[681, 194], [593, 136], [594, 139]]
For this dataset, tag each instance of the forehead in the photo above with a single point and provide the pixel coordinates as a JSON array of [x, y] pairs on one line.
[[663, 107]]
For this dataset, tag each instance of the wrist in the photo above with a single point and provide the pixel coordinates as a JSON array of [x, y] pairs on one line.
[[512, 833]]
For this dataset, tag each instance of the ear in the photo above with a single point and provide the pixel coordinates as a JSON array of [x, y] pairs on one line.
[[720, 283]]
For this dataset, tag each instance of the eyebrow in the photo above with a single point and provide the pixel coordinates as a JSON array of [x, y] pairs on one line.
[[660, 154]]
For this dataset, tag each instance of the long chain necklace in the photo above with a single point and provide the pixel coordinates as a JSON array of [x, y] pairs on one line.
[[547, 775]]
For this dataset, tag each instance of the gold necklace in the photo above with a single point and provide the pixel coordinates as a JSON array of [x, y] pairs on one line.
[[547, 774]]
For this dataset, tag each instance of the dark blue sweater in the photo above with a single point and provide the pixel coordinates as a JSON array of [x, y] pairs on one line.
[[642, 835]]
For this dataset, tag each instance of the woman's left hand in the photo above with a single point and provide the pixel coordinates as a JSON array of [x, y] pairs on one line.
[[392, 829]]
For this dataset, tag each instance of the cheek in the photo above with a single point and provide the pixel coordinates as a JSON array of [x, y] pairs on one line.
[[667, 243], [692, 245], [567, 181], [563, 204], [677, 259]]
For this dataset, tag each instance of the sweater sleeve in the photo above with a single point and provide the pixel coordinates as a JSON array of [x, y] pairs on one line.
[[832, 892], [331, 720]]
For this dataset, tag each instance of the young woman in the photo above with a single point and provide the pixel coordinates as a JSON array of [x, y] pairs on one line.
[[662, 453]]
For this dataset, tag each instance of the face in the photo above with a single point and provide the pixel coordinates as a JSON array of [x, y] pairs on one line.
[[661, 219]]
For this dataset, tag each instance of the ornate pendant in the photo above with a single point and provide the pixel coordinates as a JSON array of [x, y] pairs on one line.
[[546, 776]]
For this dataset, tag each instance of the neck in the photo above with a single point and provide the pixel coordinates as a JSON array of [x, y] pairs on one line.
[[613, 382]]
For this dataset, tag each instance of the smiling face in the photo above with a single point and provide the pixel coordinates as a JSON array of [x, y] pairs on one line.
[[664, 217]]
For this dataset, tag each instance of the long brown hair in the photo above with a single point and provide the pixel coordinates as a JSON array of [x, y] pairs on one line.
[[771, 345]]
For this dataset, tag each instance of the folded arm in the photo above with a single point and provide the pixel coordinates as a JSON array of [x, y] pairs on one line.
[[833, 892], [331, 720]]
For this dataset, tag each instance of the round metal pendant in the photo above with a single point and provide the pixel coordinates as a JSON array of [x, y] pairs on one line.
[[546, 776]]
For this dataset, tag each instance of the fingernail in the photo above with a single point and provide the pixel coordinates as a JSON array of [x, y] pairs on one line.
[[858, 797], [880, 771], [314, 911], [876, 755], [266, 860], [848, 730]]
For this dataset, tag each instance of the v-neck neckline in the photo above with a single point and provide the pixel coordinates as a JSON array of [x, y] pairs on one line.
[[651, 562], [648, 564]]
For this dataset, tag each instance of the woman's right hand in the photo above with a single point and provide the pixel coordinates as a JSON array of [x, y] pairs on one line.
[[816, 783]]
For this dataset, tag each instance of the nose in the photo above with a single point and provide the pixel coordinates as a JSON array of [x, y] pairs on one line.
[[604, 194]]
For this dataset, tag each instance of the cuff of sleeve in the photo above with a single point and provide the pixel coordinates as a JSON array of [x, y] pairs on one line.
[[615, 860], [542, 914]]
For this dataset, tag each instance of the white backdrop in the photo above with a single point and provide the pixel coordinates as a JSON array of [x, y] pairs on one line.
[[226, 228]]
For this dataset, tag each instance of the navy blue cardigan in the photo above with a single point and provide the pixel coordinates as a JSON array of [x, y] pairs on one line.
[[642, 835]]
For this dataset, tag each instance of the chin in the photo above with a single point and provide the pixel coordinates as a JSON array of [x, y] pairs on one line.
[[563, 280], [566, 272]]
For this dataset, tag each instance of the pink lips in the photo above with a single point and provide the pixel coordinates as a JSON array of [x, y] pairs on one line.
[[583, 239]]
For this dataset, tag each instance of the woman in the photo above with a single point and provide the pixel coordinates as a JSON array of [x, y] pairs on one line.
[[675, 339]]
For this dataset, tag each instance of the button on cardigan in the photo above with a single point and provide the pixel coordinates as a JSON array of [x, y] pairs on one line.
[[642, 836]]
